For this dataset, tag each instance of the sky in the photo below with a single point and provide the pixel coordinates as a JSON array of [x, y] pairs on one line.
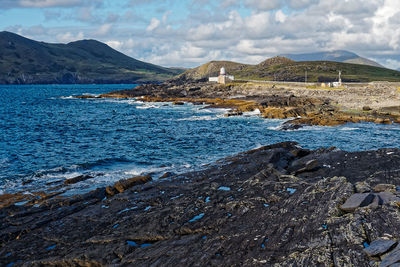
[[188, 33]]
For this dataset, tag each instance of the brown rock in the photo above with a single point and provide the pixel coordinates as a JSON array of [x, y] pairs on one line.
[[385, 188], [122, 185]]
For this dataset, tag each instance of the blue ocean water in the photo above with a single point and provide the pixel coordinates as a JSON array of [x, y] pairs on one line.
[[47, 136]]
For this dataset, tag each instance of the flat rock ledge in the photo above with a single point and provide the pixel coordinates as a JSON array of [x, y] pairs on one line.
[[278, 205]]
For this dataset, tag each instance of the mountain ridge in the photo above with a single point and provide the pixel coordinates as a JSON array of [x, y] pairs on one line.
[[335, 56], [26, 61]]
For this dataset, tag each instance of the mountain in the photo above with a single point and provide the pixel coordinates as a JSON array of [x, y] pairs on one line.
[[285, 69], [335, 56], [25, 61]]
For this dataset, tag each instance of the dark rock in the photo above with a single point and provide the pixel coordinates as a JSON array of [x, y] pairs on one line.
[[366, 108], [357, 201], [290, 127], [257, 222], [388, 197], [379, 247], [178, 103], [391, 258], [77, 179], [310, 166]]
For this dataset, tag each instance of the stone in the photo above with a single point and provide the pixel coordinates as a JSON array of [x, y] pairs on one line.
[[385, 188], [122, 185], [310, 165], [356, 201], [78, 179], [388, 197], [379, 247], [362, 187], [167, 175], [391, 258]]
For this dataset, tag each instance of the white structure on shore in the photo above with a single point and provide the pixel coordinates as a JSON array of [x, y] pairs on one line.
[[222, 78]]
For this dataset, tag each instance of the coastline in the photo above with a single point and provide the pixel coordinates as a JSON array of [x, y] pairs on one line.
[[376, 102], [275, 205]]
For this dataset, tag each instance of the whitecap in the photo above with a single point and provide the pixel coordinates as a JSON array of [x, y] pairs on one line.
[[200, 118], [349, 129], [255, 112]]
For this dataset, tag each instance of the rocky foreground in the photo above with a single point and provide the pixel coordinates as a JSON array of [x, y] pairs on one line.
[[303, 104], [278, 205]]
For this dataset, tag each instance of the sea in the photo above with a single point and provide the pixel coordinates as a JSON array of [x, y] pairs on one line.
[[47, 136]]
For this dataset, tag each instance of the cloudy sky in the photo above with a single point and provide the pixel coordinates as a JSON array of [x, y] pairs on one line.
[[188, 33]]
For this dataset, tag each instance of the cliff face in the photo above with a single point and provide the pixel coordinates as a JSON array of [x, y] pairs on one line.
[[25, 61], [279, 205]]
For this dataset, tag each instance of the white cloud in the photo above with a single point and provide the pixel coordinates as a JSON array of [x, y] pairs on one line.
[[104, 29], [154, 23], [69, 37], [264, 4], [280, 16]]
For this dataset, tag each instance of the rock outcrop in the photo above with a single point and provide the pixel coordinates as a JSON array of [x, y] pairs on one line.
[[252, 209]]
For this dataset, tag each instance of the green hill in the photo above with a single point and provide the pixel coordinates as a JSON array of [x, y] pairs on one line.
[[284, 69], [25, 61]]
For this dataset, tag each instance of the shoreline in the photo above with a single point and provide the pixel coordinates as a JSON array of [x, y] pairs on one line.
[[278, 204], [302, 105]]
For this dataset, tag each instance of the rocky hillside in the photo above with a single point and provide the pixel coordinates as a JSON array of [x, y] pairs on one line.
[[284, 69], [25, 61]]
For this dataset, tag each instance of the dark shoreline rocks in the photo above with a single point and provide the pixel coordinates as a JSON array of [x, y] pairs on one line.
[[252, 209]]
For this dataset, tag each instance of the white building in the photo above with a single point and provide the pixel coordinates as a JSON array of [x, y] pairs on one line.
[[222, 78]]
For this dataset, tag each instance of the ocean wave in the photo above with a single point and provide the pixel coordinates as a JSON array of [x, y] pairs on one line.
[[349, 129], [255, 112], [200, 118]]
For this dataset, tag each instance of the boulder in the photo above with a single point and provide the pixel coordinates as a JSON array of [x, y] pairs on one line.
[[379, 247], [356, 201]]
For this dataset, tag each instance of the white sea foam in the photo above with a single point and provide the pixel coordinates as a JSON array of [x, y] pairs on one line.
[[349, 129], [255, 112], [200, 118]]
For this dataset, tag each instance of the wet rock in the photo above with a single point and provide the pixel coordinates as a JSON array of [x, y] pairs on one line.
[[385, 188], [379, 247], [167, 175], [356, 201], [178, 103], [122, 185], [391, 258], [77, 179]]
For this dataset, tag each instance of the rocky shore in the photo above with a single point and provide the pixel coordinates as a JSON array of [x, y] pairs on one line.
[[278, 205], [304, 104]]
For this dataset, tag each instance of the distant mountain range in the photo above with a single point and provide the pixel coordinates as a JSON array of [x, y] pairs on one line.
[[335, 56], [25, 61], [285, 69]]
